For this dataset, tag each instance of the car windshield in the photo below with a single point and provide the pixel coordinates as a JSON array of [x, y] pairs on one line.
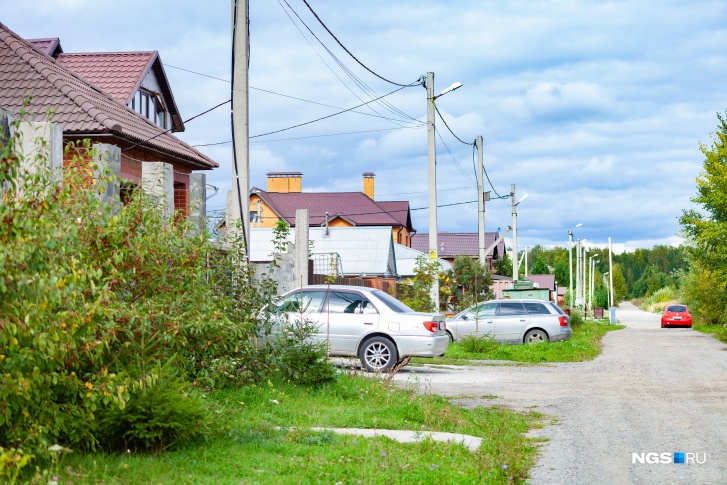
[[391, 302], [677, 309]]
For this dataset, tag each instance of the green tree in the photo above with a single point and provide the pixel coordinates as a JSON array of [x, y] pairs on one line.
[[540, 267], [471, 282], [619, 284], [503, 266], [415, 292], [561, 273]]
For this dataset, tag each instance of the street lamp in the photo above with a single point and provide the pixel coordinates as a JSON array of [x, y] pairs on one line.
[[514, 233], [608, 287], [432, 173], [570, 262], [592, 281]]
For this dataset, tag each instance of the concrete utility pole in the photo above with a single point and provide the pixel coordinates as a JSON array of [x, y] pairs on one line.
[[570, 262], [610, 269], [240, 124], [432, 182], [514, 236], [482, 197], [514, 233], [578, 272]]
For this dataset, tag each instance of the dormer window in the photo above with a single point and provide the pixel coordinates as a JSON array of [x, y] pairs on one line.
[[150, 105]]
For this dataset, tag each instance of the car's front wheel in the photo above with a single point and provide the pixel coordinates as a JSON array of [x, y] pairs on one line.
[[378, 354], [536, 336]]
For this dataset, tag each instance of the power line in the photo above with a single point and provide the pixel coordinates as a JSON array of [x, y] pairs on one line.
[[325, 117], [456, 163], [347, 51], [170, 129], [450, 129]]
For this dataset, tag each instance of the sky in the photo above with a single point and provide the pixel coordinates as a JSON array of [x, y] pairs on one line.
[[595, 109]]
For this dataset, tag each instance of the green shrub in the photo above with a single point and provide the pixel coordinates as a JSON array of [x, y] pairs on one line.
[[576, 318], [155, 418], [303, 361], [478, 344]]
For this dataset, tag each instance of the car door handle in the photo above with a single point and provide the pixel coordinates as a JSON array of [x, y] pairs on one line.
[[523, 319], [368, 323]]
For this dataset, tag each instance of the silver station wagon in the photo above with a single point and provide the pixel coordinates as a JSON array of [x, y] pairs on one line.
[[512, 321], [366, 323]]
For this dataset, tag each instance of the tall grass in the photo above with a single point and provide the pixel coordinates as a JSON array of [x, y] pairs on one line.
[[660, 299]]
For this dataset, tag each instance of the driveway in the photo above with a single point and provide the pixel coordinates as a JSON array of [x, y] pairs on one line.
[[652, 390]]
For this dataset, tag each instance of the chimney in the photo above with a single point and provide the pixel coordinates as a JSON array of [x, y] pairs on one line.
[[285, 182], [368, 184]]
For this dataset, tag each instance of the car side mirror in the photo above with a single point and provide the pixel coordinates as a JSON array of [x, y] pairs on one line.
[[465, 317]]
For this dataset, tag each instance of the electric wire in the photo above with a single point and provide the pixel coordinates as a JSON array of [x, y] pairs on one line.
[[294, 97], [347, 51], [450, 129], [325, 117], [172, 128], [371, 93], [456, 163]]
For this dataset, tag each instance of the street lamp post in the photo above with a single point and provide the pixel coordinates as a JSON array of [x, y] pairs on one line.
[[592, 282], [570, 262], [432, 174], [514, 233]]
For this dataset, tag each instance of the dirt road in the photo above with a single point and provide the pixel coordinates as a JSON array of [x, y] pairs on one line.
[[652, 390]]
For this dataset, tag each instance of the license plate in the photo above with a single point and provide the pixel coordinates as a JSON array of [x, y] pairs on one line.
[[677, 317]]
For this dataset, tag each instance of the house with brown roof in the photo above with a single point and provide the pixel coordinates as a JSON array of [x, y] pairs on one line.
[[121, 99], [284, 195], [453, 244]]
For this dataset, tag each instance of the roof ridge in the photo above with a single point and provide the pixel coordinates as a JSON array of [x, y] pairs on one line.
[[104, 53]]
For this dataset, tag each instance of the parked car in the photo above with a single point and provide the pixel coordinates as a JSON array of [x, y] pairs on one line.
[[366, 323], [676, 316], [512, 321]]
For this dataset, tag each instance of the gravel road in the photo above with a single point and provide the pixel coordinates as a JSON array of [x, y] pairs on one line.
[[652, 390]]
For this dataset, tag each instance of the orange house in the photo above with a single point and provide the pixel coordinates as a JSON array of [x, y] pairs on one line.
[[284, 195]]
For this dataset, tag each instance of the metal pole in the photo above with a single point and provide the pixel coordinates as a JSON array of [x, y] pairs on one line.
[[514, 237], [240, 123], [432, 182], [480, 203]]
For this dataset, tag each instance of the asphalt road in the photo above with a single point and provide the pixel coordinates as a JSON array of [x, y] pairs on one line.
[[652, 390]]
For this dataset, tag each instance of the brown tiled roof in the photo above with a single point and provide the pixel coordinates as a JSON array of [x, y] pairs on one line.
[[453, 244], [399, 210], [355, 207], [121, 73], [543, 280], [49, 46], [80, 107]]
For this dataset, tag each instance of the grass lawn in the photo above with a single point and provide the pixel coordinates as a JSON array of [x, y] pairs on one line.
[[717, 331], [585, 344], [264, 439]]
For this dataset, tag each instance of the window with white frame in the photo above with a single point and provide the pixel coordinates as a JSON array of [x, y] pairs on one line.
[[150, 105]]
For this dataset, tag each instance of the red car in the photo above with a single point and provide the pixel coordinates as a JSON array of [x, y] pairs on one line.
[[676, 316]]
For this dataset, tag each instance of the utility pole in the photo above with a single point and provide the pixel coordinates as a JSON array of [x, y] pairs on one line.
[[432, 182], [482, 197], [578, 272], [514, 236], [240, 207]]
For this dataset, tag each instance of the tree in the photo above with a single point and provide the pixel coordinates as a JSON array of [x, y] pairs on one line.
[[471, 282], [540, 267], [708, 227], [503, 266], [561, 273], [415, 293], [619, 284]]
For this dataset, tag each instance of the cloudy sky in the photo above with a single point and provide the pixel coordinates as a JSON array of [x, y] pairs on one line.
[[596, 109]]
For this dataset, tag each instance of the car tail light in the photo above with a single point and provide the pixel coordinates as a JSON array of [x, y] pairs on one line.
[[432, 326], [563, 320]]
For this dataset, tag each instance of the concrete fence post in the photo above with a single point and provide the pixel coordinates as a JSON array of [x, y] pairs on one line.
[[198, 200], [40, 146], [107, 172], [157, 180], [302, 238]]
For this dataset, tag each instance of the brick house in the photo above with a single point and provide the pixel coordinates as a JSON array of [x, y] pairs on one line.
[[284, 195], [120, 99]]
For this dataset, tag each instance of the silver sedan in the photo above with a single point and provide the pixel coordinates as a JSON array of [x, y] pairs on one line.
[[366, 323], [512, 321]]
